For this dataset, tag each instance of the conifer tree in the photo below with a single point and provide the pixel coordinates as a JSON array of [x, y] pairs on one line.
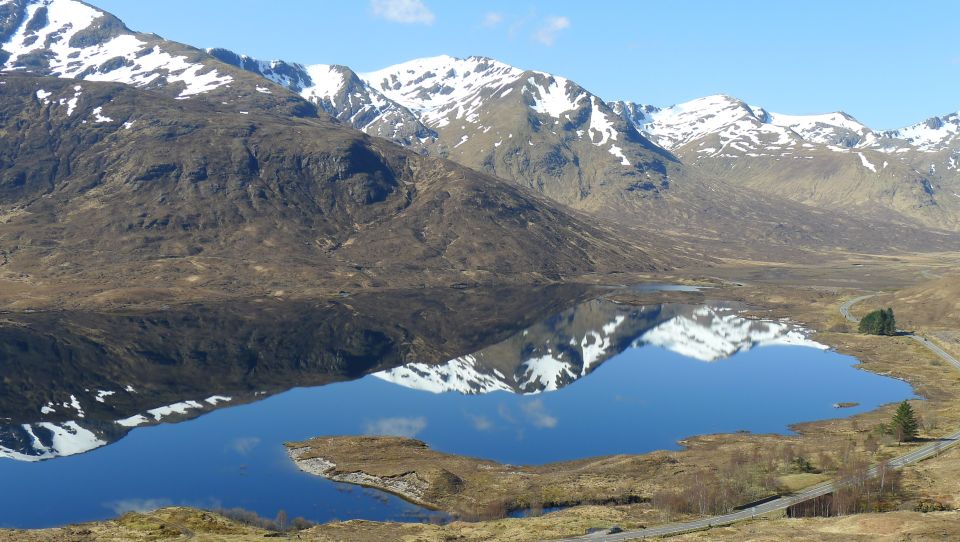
[[871, 323], [879, 322], [889, 322], [904, 425]]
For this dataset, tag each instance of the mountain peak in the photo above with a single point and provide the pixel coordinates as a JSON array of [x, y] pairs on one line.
[[71, 39], [685, 122], [931, 135], [432, 85]]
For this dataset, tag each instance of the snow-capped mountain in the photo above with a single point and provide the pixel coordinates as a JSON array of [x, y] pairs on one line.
[[550, 134], [825, 160], [751, 128], [741, 126], [569, 346], [932, 135], [72, 39], [68, 38], [482, 107], [540, 130], [339, 92]]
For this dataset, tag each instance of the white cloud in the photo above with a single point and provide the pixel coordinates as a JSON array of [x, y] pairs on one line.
[[402, 11], [398, 427], [547, 34], [504, 412], [243, 445], [136, 505], [492, 19], [538, 415], [481, 423]]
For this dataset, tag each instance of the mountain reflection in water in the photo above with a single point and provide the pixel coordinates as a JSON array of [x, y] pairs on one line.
[[71, 382], [191, 406]]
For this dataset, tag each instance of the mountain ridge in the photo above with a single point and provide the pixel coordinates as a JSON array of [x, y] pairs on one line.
[[834, 161], [540, 169]]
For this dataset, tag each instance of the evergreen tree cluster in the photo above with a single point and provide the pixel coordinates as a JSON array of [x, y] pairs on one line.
[[879, 322]]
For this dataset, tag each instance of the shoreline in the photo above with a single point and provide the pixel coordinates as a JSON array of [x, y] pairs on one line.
[[406, 489], [869, 359], [809, 433]]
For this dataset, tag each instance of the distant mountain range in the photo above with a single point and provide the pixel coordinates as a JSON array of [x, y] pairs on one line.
[[647, 172], [481, 112], [828, 160], [221, 169], [551, 135]]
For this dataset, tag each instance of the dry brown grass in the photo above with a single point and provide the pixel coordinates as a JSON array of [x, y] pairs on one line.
[[889, 527], [166, 524], [183, 524]]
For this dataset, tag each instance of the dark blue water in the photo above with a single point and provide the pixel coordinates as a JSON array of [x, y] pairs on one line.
[[643, 399]]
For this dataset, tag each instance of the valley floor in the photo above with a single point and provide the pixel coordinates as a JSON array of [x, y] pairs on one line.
[[806, 295]]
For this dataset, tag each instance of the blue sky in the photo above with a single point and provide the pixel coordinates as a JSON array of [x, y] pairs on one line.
[[887, 63]]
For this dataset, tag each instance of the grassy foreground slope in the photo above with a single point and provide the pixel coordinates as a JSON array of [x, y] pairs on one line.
[[184, 523]]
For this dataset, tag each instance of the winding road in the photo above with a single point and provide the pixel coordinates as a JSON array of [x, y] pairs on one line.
[[845, 307], [918, 454]]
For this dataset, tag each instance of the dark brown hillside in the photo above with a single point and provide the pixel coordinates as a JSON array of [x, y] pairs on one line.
[[129, 188]]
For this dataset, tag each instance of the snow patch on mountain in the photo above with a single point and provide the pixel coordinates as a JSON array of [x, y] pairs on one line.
[[820, 129], [595, 345], [52, 28], [618, 152], [554, 98], [600, 125], [931, 135], [439, 86], [176, 408], [63, 20], [327, 82], [98, 115], [133, 421], [157, 414]]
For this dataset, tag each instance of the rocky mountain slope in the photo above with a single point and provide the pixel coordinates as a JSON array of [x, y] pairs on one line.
[[829, 160], [549, 134], [97, 174], [540, 130]]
